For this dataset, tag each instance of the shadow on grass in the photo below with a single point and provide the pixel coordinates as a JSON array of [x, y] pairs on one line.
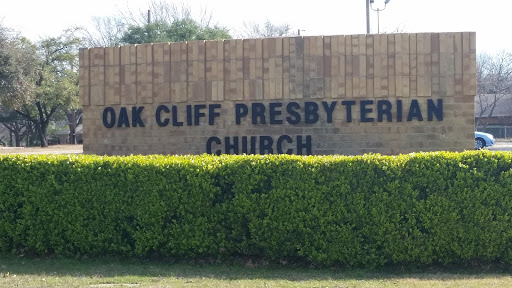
[[108, 267]]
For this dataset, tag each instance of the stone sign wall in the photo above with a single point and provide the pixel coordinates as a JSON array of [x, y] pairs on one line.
[[352, 94]]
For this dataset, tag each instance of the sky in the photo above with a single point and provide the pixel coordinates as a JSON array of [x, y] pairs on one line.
[[490, 19]]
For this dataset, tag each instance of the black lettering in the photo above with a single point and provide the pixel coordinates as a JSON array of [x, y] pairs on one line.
[[414, 111], [228, 145], [258, 111], [241, 110], [365, 110], [158, 115], [274, 113], [310, 112], [109, 111], [123, 118], [306, 145], [209, 145], [198, 114], [136, 119], [244, 145], [295, 116], [433, 109], [399, 110], [384, 108], [329, 109], [348, 104], [280, 144], [212, 113], [189, 115], [266, 143], [175, 121]]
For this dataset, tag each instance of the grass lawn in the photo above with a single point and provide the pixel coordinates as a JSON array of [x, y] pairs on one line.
[[56, 272]]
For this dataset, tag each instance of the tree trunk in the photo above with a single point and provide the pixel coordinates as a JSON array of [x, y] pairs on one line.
[[42, 123], [17, 139], [493, 106], [15, 134], [72, 128], [29, 131], [41, 131], [74, 119]]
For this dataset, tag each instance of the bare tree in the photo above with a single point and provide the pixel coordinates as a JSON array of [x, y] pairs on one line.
[[159, 11], [107, 32], [494, 82], [165, 12], [255, 30], [398, 29]]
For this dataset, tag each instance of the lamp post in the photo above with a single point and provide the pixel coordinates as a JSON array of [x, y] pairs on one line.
[[367, 16], [378, 16]]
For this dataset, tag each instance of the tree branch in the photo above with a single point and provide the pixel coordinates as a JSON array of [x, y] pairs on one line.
[[25, 115]]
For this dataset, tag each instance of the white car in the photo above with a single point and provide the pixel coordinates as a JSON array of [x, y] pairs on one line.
[[483, 140]]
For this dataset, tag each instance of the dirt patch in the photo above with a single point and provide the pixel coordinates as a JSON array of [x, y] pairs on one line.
[[114, 285], [54, 149]]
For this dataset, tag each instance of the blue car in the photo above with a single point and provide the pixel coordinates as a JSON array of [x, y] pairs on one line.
[[483, 140]]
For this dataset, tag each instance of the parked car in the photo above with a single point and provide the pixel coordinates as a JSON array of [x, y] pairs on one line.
[[483, 140]]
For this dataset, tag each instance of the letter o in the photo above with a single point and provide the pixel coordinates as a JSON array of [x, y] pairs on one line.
[[109, 111]]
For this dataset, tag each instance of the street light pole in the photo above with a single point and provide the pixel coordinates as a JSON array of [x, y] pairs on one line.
[[378, 21], [367, 16], [378, 11]]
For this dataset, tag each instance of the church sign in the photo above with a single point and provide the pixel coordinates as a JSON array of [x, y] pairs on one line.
[[318, 95]]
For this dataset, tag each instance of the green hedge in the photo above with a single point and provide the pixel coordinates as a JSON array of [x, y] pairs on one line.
[[367, 210]]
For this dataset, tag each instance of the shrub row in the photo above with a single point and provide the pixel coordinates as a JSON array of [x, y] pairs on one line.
[[366, 210]]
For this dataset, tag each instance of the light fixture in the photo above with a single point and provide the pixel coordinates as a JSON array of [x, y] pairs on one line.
[[378, 15]]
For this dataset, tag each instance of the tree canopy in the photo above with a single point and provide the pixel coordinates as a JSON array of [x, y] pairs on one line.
[[163, 22], [19, 65], [177, 31], [38, 79]]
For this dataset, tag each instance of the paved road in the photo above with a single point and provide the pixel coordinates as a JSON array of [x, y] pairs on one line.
[[501, 146]]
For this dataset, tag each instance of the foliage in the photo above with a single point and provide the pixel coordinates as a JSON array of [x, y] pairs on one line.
[[177, 31], [19, 65], [56, 83], [371, 210], [17, 126], [190, 30], [163, 22], [155, 32], [38, 80]]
